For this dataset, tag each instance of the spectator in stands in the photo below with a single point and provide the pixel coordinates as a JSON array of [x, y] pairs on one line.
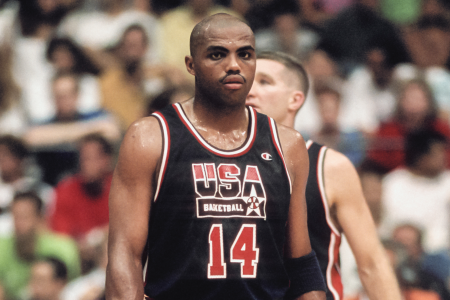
[[414, 285], [48, 278], [69, 124], [428, 42], [17, 175], [27, 28], [420, 193], [54, 141], [317, 12], [350, 143], [103, 27], [30, 241], [416, 111], [346, 36], [67, 57], [39, 18], [287, 35], [81, 202], [370, 93], [92, 285], [12, 115], [122, 85], [435, 265]]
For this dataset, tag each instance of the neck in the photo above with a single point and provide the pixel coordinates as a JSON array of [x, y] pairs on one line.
[[221, 114], [224, 127], [289, 121]]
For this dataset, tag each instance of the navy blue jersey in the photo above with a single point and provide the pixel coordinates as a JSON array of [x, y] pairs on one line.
[[325, 238], [218, 219]]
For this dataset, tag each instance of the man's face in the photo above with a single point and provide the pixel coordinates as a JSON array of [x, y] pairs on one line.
[[409, 237], [134, 46], [25, 216], [270, 93], [329, 108], [43, 284], [224, 64], [66, 96], [414, 102], [9, 164], [94, 164]]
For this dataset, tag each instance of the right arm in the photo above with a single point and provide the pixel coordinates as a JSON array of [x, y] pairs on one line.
[[132, 189], [344, 193]]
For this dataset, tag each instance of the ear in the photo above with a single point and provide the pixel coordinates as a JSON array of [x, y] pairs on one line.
[[296, 101], [189, 61]]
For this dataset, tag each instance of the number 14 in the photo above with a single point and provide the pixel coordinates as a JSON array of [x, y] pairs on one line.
[[242, 251]]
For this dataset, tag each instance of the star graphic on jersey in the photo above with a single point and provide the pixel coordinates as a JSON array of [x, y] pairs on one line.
[[253, 203]]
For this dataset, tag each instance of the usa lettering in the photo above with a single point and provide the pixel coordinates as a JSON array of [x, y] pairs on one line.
[[224, 191]]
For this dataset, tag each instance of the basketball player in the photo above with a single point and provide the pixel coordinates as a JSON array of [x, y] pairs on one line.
[[334, 196], [205, 187]]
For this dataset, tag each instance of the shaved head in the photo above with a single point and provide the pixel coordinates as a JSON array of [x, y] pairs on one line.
[[220, 20]]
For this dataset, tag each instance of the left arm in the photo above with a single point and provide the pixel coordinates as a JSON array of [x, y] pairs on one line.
[[297, 161], [344, 193]]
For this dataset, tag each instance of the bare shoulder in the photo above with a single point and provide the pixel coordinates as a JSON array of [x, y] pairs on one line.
[[290, 139], [294, 150], [143, 133], [340, 176], [142, 143], [337, 163]]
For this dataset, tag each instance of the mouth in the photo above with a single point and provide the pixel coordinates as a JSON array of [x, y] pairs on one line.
[[233, 82]]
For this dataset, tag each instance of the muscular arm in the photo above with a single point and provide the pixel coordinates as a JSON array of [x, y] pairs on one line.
[[352, 215], [56, 134], [129, 207], [297, 162]]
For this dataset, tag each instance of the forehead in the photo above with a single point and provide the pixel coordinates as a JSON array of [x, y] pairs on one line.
[[228, 35], [270, 67], [274, 69]]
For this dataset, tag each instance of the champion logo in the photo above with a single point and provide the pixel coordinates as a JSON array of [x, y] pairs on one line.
[[266, 156]]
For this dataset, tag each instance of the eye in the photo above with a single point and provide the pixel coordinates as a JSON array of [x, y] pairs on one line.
[[263, 81], [216, 56], [245, 55]]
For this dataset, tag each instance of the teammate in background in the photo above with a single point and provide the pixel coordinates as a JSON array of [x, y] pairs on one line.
[[205, 187], [334, 196]]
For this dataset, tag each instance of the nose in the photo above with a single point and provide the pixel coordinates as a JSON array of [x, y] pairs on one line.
[[233, 65]]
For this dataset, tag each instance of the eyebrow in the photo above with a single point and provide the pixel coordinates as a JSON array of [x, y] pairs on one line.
[[223, 49], [264, 74], [246, 48], [217, 48]]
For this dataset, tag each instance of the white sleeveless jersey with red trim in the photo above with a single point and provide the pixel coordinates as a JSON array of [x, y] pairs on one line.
[[324, 236], [217, 222]]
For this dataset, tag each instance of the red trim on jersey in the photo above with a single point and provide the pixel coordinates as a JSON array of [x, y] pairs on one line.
[[219, 152], [166, 148], [335, 276]]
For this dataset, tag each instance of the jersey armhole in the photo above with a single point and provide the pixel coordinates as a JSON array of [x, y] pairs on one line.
[[277, 144], [321, 183], [165, 150]]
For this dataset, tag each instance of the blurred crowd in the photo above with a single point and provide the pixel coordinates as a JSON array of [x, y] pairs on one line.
[[74, 74]]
